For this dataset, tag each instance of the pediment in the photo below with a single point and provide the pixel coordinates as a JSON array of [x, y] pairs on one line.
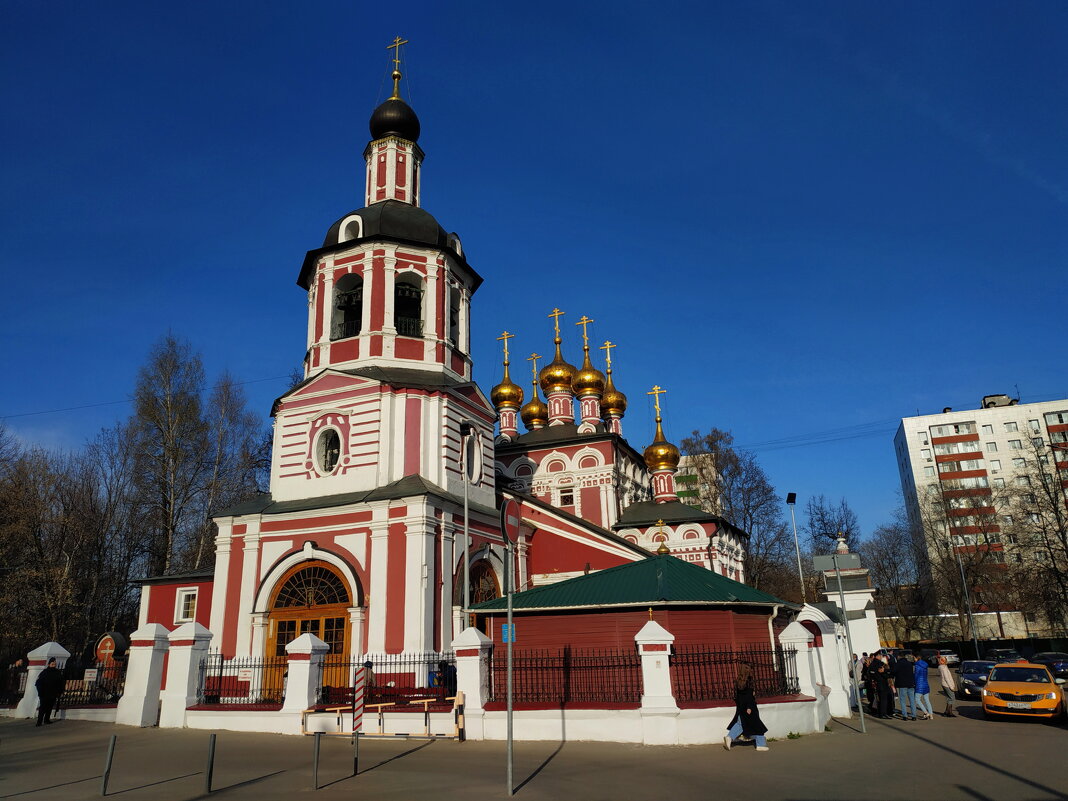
[[323, 384]]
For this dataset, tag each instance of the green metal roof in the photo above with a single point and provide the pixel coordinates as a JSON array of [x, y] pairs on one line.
[[659, 579]]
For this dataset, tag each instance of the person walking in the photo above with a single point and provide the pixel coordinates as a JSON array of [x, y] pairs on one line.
[[923, 687], [49, 687], [881, 680], [949, 687], [868, 674], [903, 681], [746, 718]]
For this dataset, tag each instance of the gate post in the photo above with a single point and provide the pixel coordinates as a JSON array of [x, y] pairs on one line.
[[472, 649], [139, 704], [305, 655], [37, 661], [188, 647], [659, 709]]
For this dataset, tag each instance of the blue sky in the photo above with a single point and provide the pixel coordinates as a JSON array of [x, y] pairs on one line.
[[797, 218]]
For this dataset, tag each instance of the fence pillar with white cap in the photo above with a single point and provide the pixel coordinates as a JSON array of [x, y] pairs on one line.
[[472, 649], [188, 647], [139, 704], [305, 655], [659, 709], [37, 662]]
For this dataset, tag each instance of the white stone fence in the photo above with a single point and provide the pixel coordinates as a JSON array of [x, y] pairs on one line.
[[169, 698]]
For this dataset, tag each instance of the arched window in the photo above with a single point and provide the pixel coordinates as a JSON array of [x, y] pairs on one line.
[[328, 450], [348, 307], [312, 586], [408, 306]]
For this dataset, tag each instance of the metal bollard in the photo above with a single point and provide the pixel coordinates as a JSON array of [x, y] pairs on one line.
[[211, 763], [315, 761], [107, 765]]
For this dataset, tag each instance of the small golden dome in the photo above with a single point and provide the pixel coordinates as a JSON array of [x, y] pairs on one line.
[[506, 395], [557, 375], [661, 454], [534, 414], [613, 402], [588, 380]]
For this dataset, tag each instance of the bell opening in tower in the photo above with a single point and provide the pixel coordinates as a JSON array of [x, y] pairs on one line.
[[348, 308], [408, 307]]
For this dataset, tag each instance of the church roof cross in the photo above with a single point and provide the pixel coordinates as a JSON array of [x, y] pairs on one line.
[[656, 393], [504, 337], [556, 314], [607, 348], [585, 321], [395, 47], [534, 367]]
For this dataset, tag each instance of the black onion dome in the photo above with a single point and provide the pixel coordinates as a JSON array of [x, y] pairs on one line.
[[396, 220], [394, 118]]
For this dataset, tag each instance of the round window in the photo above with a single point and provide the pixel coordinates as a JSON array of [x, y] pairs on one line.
[[328, 451]]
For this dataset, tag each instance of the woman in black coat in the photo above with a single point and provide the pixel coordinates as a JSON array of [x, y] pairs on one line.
[[746, 715]]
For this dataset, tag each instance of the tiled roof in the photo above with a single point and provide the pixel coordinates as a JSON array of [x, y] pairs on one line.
[[656, 580]]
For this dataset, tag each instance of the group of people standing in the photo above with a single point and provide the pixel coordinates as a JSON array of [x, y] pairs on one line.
[[885, 676]]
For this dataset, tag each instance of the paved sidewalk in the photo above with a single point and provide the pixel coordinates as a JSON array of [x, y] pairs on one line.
[[961, 758]]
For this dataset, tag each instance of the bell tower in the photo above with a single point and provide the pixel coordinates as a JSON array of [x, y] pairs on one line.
[[390, 287]]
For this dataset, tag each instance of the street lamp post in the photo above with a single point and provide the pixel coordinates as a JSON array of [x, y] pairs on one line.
[[791, 501]]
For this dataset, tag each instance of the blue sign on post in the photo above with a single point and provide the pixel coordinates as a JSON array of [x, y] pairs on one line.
[[507, 632]]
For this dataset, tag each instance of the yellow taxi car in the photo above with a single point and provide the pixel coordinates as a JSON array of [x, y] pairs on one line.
[[1025, 689]]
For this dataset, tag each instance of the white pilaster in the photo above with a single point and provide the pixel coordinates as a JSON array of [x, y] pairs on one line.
[[249, 574], [472, 649], [139, 704], [418, 590], [659, 710], [188, 647], [37, 661], [376, 590], [302, 683]]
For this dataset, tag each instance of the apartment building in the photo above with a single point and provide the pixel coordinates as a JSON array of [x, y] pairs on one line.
[[972, 466]]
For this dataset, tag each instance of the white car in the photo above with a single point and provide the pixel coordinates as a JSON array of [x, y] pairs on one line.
[[951, 658]]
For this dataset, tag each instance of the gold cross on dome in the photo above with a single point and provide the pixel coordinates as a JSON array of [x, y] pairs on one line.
[[504, 337], [607, 348], [534, 367], [395, 47], [656, 393], [585, 321], [556, 314]]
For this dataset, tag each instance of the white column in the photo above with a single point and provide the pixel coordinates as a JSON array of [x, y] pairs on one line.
[[472, 649], [250, 559], [37, 661], [302, 683], [139, 705], [259, 634], [188, 647], [357, 622], [448, 555], [797, 636], [376, 584], [222, 575], [659, 710], [418, 589]]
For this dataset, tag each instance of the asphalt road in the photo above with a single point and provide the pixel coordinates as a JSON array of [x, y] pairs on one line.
[[960, 758]]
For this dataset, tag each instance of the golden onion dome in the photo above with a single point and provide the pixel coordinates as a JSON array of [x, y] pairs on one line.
[[613, 402], [506, 395], [661, 454], [588, 380], [534, 414], [557, 375]]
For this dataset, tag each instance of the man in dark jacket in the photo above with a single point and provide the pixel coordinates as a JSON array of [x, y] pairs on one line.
[[49, 687], [904, 678]]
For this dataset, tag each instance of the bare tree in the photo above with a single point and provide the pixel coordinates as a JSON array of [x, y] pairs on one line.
[[824, 521], [733, 485]]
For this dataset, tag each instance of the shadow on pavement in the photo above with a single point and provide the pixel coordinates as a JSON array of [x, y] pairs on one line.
[[380, 764], [50, 787], [979, 762], [153, 784], [245, 783], [974, 793]]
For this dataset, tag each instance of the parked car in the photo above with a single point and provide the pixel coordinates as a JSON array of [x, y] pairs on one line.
[[930, 656], [1003, 655], [1056, 661], [972, 677], [951, 656], [1023, 689]]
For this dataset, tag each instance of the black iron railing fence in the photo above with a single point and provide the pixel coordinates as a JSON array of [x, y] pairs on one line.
[[92, 683], [395, 678], [567, 675], [705, 673], [14, 686], [251, 682]]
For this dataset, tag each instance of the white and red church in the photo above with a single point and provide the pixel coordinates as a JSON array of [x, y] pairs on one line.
[[360, 540]]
